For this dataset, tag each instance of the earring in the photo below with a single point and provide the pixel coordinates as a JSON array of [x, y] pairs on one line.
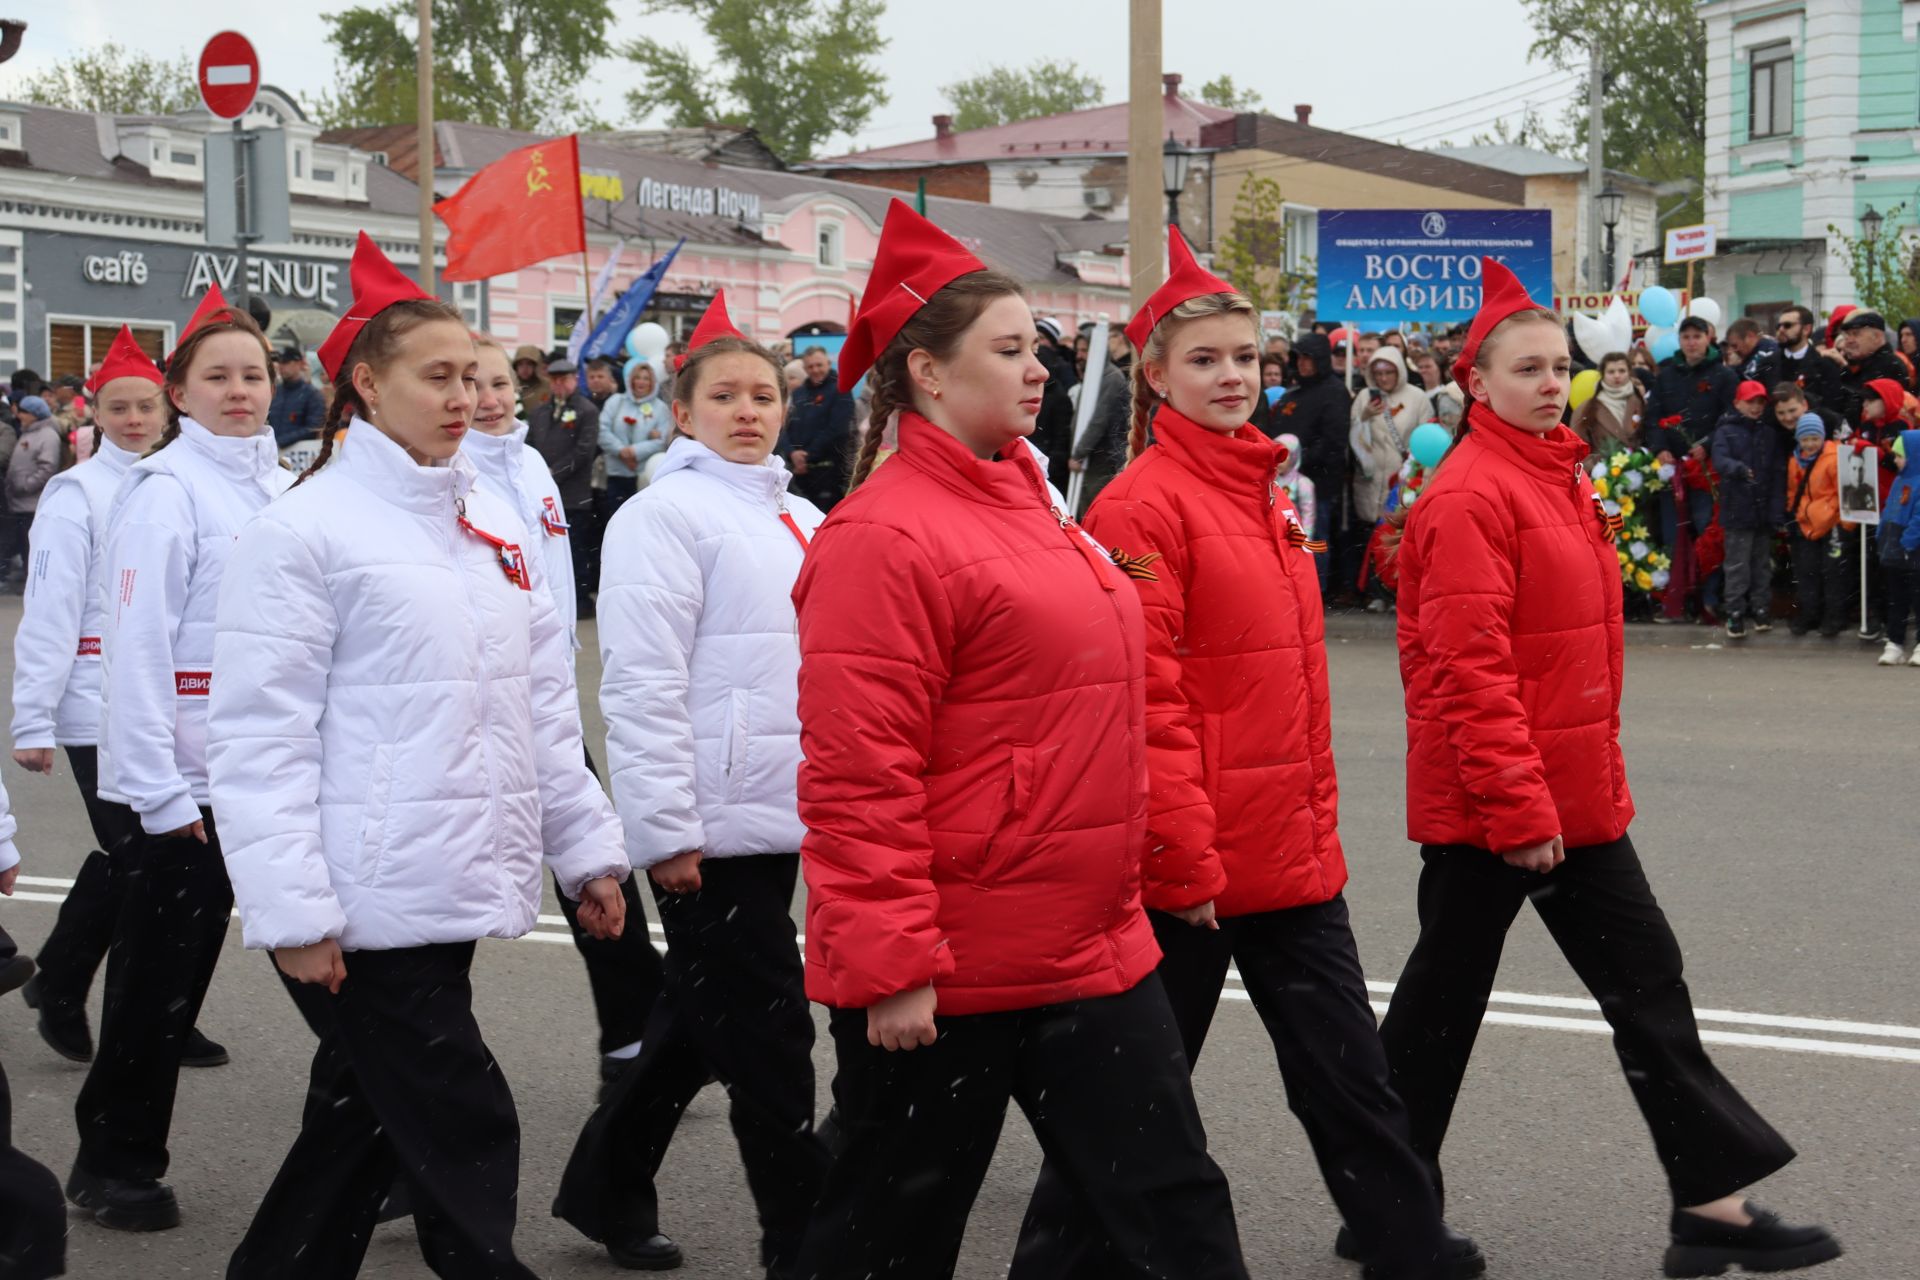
[[936, 393]]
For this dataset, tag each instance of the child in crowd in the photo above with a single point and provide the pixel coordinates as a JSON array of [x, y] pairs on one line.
[[1746, 456], [1821, 582], [1899, 538], [1295, 482]]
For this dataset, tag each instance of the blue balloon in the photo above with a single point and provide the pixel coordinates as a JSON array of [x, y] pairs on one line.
[[1659, 306], [1428, 444], [1274, 394], [1664, 345]]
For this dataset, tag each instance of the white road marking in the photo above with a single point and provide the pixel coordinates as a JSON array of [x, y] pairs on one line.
[[553, 929]]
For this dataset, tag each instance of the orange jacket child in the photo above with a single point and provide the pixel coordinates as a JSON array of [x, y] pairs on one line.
[[1813, 501]]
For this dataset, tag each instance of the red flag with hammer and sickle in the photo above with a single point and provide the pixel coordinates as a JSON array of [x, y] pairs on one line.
[[521, 209]]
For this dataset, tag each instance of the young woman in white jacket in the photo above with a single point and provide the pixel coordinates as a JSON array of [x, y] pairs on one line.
[[700, 694], [394, 744], [56, 688], [623, 972], [169, 535]]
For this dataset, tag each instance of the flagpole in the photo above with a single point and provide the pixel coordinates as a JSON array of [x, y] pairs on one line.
[[586, 281], [423, 165]]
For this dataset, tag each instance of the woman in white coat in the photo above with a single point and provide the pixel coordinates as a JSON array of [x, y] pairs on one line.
[[700, 693], [1384, 415], [169, 535], [623, 972], [634, 426], [394, 743], [56, 687]]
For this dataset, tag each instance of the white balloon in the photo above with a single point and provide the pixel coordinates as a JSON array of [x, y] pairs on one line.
[[649, 342], [1592, 335], [1707, 309], [1619, 322]]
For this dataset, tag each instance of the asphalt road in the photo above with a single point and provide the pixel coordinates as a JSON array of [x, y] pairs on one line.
[[1776, 795]]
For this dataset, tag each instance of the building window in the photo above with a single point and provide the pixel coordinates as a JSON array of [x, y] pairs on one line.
[[73, 347], [1303, 239], [184, 158], [1770, 92], [830, 245], [564, 318], [299, 163], [323, 175]]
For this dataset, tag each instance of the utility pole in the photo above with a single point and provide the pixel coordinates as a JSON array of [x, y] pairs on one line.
[[1596, 166], [424, 165], [1146, 236]]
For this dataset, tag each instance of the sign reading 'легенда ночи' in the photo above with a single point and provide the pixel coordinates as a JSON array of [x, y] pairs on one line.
[[1393, 266]]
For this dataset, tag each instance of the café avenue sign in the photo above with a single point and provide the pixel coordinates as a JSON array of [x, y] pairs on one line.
[[273, 277]]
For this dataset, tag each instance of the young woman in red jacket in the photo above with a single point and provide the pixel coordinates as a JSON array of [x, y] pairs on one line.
[[971, 709], [1243, 860], [1511, 653]]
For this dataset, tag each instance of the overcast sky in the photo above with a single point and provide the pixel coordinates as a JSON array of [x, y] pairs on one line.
[[1441, 74]]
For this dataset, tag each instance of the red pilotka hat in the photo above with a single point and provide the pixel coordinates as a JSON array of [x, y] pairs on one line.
[[124, 359], [914, 261], [1501, 295], [377, 285], [1186, 280], [214, 301], [1838, 318], [714, 324]]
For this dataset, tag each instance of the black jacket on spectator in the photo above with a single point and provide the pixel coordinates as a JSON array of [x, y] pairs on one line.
[[1851, 393], [1699, 395], [1749, 457], [1815, 374], [1319, 412], [1053, 429], [820, 422], [569, 444], [1764, 365], [296, 413]]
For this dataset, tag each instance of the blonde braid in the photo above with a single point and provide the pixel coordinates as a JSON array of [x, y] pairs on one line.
[[1145, 403]]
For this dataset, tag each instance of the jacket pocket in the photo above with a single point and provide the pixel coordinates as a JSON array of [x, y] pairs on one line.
[[1013, 797], [739, 705], [373, 816]]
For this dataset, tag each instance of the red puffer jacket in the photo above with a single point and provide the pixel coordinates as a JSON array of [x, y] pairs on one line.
[[1511, 648], [1243, 809], [972, 693]]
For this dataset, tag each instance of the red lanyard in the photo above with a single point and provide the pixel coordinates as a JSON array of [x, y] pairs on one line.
[[794, 529], [512, 562]]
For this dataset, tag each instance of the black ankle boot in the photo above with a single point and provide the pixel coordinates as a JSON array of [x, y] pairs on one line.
[[125, 1204], [1704, 1247], [652, 1252], [1463, 1259], [63, 1022]]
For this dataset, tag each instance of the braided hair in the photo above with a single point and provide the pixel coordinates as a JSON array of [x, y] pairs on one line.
[[374, 346]]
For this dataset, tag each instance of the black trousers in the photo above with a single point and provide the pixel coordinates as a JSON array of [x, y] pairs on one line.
[[583, 542], [33, 1216], [402, 1082], [624, 973], [1104, 1084], [1825, 594], [734, 1008], [83, 930], [1601, 911], [1302, 971], [174, 904]]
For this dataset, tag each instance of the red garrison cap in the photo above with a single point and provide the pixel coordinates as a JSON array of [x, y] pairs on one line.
[[377, 285], [714, 324], [914, 261], [1834, 321], [1501, 295], [213, 301], [1186, 279], [125, 359]]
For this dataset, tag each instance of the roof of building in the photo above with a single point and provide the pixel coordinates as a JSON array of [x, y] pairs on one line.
[[1094, 131], [1527, 162]]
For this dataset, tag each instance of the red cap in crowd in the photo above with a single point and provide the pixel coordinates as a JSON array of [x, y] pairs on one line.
[[1339, 337], [1186, 280], [377, 285], [214, 301], [1501, 295], [1834, 321], [1750, 390], [124, 359], [714, 324], [914, 261]]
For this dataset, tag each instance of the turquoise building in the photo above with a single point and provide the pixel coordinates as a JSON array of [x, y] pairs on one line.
[[1813, 116]]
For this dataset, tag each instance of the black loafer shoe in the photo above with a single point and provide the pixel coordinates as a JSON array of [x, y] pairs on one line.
[[15, 973], [198, 1051], [125, 1204], [645, 1253], [1704, 1247], [1464, 1260], [63, 1023]]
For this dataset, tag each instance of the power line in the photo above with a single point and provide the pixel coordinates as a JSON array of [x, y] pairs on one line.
[[1446, 106]]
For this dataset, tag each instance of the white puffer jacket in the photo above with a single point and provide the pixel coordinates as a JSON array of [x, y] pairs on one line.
[[511, 469], [702, 658], [395, 739], [56, 651], [169, 535]]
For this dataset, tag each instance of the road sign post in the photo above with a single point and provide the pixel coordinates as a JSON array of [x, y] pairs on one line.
[[229, 78]]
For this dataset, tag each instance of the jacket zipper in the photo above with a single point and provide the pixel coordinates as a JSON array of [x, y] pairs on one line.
[[1082, 541], [480, 682]]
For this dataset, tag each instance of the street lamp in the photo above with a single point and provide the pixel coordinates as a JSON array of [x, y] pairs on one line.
[[1870, 231], [1175, 161], [1611, 201]]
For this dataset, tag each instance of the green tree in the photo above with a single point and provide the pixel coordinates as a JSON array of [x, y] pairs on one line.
[[798, 71], [1002, 95], [1655, 86], [1252, 255], [517, 64], [1223, 92], [1886, 269], [113, 79]]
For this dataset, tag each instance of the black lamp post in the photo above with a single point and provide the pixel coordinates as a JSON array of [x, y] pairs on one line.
[[1870, 231], [1175, 162], [1611, 201]]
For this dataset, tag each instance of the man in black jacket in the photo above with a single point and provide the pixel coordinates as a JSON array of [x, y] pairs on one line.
[[1053, 428], [565, 429], [1691, 392], [1863, 343], [819, 429], [1317, 411], [1759, 355]]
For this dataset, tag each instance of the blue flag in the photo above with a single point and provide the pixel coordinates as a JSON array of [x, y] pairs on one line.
[[610, 335]]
